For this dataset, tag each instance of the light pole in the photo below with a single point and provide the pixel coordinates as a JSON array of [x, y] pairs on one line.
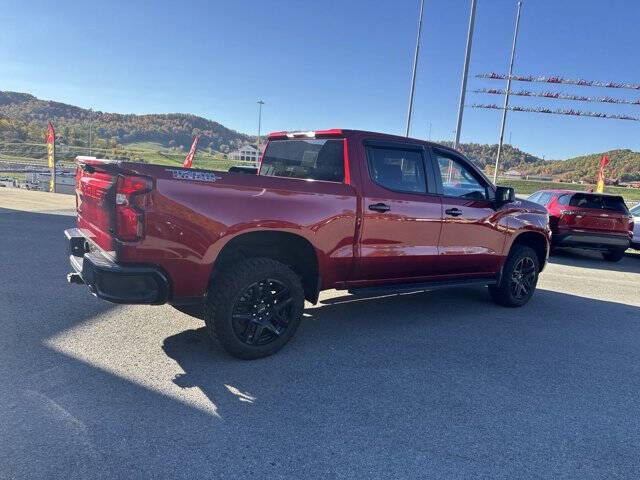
[[415, 65], [260, 103], [465, 73], [506, 94], [90, 125]]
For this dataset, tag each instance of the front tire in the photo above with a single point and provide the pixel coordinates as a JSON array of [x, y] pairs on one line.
[[195, 310], [519, 278], [614, 255], [254, 307]]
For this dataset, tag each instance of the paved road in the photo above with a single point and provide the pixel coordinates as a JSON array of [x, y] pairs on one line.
[[429, 385]]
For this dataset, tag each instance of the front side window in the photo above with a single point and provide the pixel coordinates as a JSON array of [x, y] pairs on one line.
[[311, 159], [396, 169], [458, 179]]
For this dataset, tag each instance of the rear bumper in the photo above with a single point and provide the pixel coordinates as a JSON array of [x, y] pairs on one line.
[[587, 240], [140, 284]]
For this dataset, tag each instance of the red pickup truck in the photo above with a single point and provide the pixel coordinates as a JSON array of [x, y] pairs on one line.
[[331, 209]]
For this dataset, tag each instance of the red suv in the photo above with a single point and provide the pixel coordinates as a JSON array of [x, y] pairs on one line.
[[595, 221]]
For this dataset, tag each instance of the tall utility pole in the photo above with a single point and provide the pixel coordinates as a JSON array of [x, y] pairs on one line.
[[260, 103], [415, 66], [90, 125], [465, 73], [506, 94]]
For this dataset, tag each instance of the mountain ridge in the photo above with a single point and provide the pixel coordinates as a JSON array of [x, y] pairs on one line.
[[23, 118]]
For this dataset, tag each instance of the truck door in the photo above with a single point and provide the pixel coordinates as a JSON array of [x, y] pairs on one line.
[[471, 242], [401, 215]]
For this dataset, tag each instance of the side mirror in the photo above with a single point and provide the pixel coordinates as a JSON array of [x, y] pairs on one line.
[[505, 195]]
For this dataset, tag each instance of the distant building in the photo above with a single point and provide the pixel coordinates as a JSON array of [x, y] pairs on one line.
[[540, 178], [65, 181], [247, 153], [512, 174]]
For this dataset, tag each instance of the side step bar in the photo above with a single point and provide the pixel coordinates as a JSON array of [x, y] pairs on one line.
[[417, 287]]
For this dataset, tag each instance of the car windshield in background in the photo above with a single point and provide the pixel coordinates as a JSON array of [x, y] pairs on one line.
[[542, 198], [598, 202], [635, 211], [314, 159]]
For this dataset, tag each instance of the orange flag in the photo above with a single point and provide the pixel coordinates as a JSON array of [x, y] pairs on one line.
[[603, 163]]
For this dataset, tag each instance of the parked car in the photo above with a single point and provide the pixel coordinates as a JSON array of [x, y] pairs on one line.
[[333, 209], [635, 238], [595, 221]]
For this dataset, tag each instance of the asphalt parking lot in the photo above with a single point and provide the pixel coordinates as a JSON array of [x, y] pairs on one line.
[[438, 384]]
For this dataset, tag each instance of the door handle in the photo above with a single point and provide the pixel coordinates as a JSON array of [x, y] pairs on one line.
[[454, 212], [379, 207]]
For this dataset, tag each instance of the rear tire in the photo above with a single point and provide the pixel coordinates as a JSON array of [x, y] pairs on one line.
[[614, 255], [519, 278], [254, 307]]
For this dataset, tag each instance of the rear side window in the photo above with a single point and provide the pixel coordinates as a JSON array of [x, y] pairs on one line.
[[396, 169], [312, 159]]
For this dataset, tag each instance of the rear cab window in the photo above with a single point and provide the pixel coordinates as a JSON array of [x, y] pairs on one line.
[[309, 159]]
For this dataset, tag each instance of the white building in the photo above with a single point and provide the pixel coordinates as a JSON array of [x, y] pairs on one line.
[[247, 153]]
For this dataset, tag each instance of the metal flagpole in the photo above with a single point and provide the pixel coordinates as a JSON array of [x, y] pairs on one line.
[[260, 103], [415, 65], [90, 125], [506, 95], [465, 73]]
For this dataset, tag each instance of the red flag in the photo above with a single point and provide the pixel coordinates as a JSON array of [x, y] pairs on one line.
[[192, 152], [51, 134], [604, 162]]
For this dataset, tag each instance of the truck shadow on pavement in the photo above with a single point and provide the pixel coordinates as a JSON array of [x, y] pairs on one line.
[[588, 259], [442, 384], [447, 374]]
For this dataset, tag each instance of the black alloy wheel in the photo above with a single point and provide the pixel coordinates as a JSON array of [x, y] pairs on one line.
[[262, 313], [523, 278]]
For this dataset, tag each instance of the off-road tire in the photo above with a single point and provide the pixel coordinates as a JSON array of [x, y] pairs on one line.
[[503, 293], [614, 255], [226, 289]]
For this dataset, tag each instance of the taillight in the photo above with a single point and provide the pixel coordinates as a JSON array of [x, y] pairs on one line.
[[129, 218]]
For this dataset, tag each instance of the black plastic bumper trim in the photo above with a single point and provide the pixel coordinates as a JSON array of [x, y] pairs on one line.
[[117, 283], [596, 241]]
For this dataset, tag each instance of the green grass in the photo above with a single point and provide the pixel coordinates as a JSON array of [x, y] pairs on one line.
[[526, 187]]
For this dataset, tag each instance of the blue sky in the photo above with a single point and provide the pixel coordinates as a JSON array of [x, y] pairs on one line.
[[328, 64]]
